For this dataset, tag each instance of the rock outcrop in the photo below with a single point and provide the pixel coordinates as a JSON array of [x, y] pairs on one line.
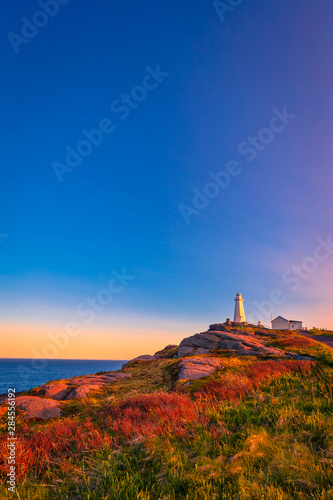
[[144, 357], [243, 343], [54, 391], [48, 398], [104, 379], [168, 352], [82, 391], [34, 407], [197, 367], [79, 387]]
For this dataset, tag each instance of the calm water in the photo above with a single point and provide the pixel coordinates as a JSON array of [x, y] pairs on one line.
[[24, 374]]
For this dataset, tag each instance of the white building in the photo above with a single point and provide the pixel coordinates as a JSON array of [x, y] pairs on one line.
[[281, 323], [239, 316]]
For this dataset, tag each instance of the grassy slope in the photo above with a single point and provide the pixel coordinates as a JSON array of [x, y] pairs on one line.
[[326, 333], [257, 429]]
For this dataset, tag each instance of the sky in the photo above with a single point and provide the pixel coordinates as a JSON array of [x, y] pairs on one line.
[[159, 158]]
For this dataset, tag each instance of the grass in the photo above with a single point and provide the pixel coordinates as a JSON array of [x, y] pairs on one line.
[[317, 331], [257, 429], [304, 346]]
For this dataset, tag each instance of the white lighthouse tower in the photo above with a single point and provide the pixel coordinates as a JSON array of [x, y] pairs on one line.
[[239, 316]]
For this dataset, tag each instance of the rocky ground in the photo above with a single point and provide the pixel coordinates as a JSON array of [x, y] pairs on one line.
[[199, 356], [241, 342], [46, 400]]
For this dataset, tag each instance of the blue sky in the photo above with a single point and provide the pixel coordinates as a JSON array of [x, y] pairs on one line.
[[120, 206]]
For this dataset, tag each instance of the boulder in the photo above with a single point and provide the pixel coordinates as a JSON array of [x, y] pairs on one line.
[[191, 351], [200, 350], [144, 357], [299, 357], [105, 378], [91, 380], [167, 352], [82, 391], [206, 340], [185, 350], [195, 368], [54, 391], [34, 407]]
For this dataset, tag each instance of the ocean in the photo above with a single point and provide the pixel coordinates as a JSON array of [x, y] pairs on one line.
[[24, 374]]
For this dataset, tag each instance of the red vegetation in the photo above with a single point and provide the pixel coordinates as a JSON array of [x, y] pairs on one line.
[[237, 386], [62, 439], [265, 370], [297, 342], [152, 415], [231, 387]]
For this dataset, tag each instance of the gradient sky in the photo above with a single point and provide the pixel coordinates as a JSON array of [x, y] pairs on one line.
[[120, 207]]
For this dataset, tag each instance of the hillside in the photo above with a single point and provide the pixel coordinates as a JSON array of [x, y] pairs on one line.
[[231, 413]]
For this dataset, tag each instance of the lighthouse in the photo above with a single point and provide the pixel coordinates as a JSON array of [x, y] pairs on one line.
[[239, 316]]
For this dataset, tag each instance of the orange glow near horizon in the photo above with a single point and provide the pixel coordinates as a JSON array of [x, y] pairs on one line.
[[40, 341], [121, 341]]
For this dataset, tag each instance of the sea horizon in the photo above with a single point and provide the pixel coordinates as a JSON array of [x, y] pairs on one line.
[[23, 374]]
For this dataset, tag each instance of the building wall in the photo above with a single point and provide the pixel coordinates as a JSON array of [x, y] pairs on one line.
[[280, 324], [296, 325]]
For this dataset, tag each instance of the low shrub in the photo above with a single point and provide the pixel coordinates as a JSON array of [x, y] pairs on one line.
[[235, 386], [152, 415], [58, 441]]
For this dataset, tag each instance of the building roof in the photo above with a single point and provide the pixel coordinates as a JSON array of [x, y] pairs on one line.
[[280, 318], [288, 320]]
